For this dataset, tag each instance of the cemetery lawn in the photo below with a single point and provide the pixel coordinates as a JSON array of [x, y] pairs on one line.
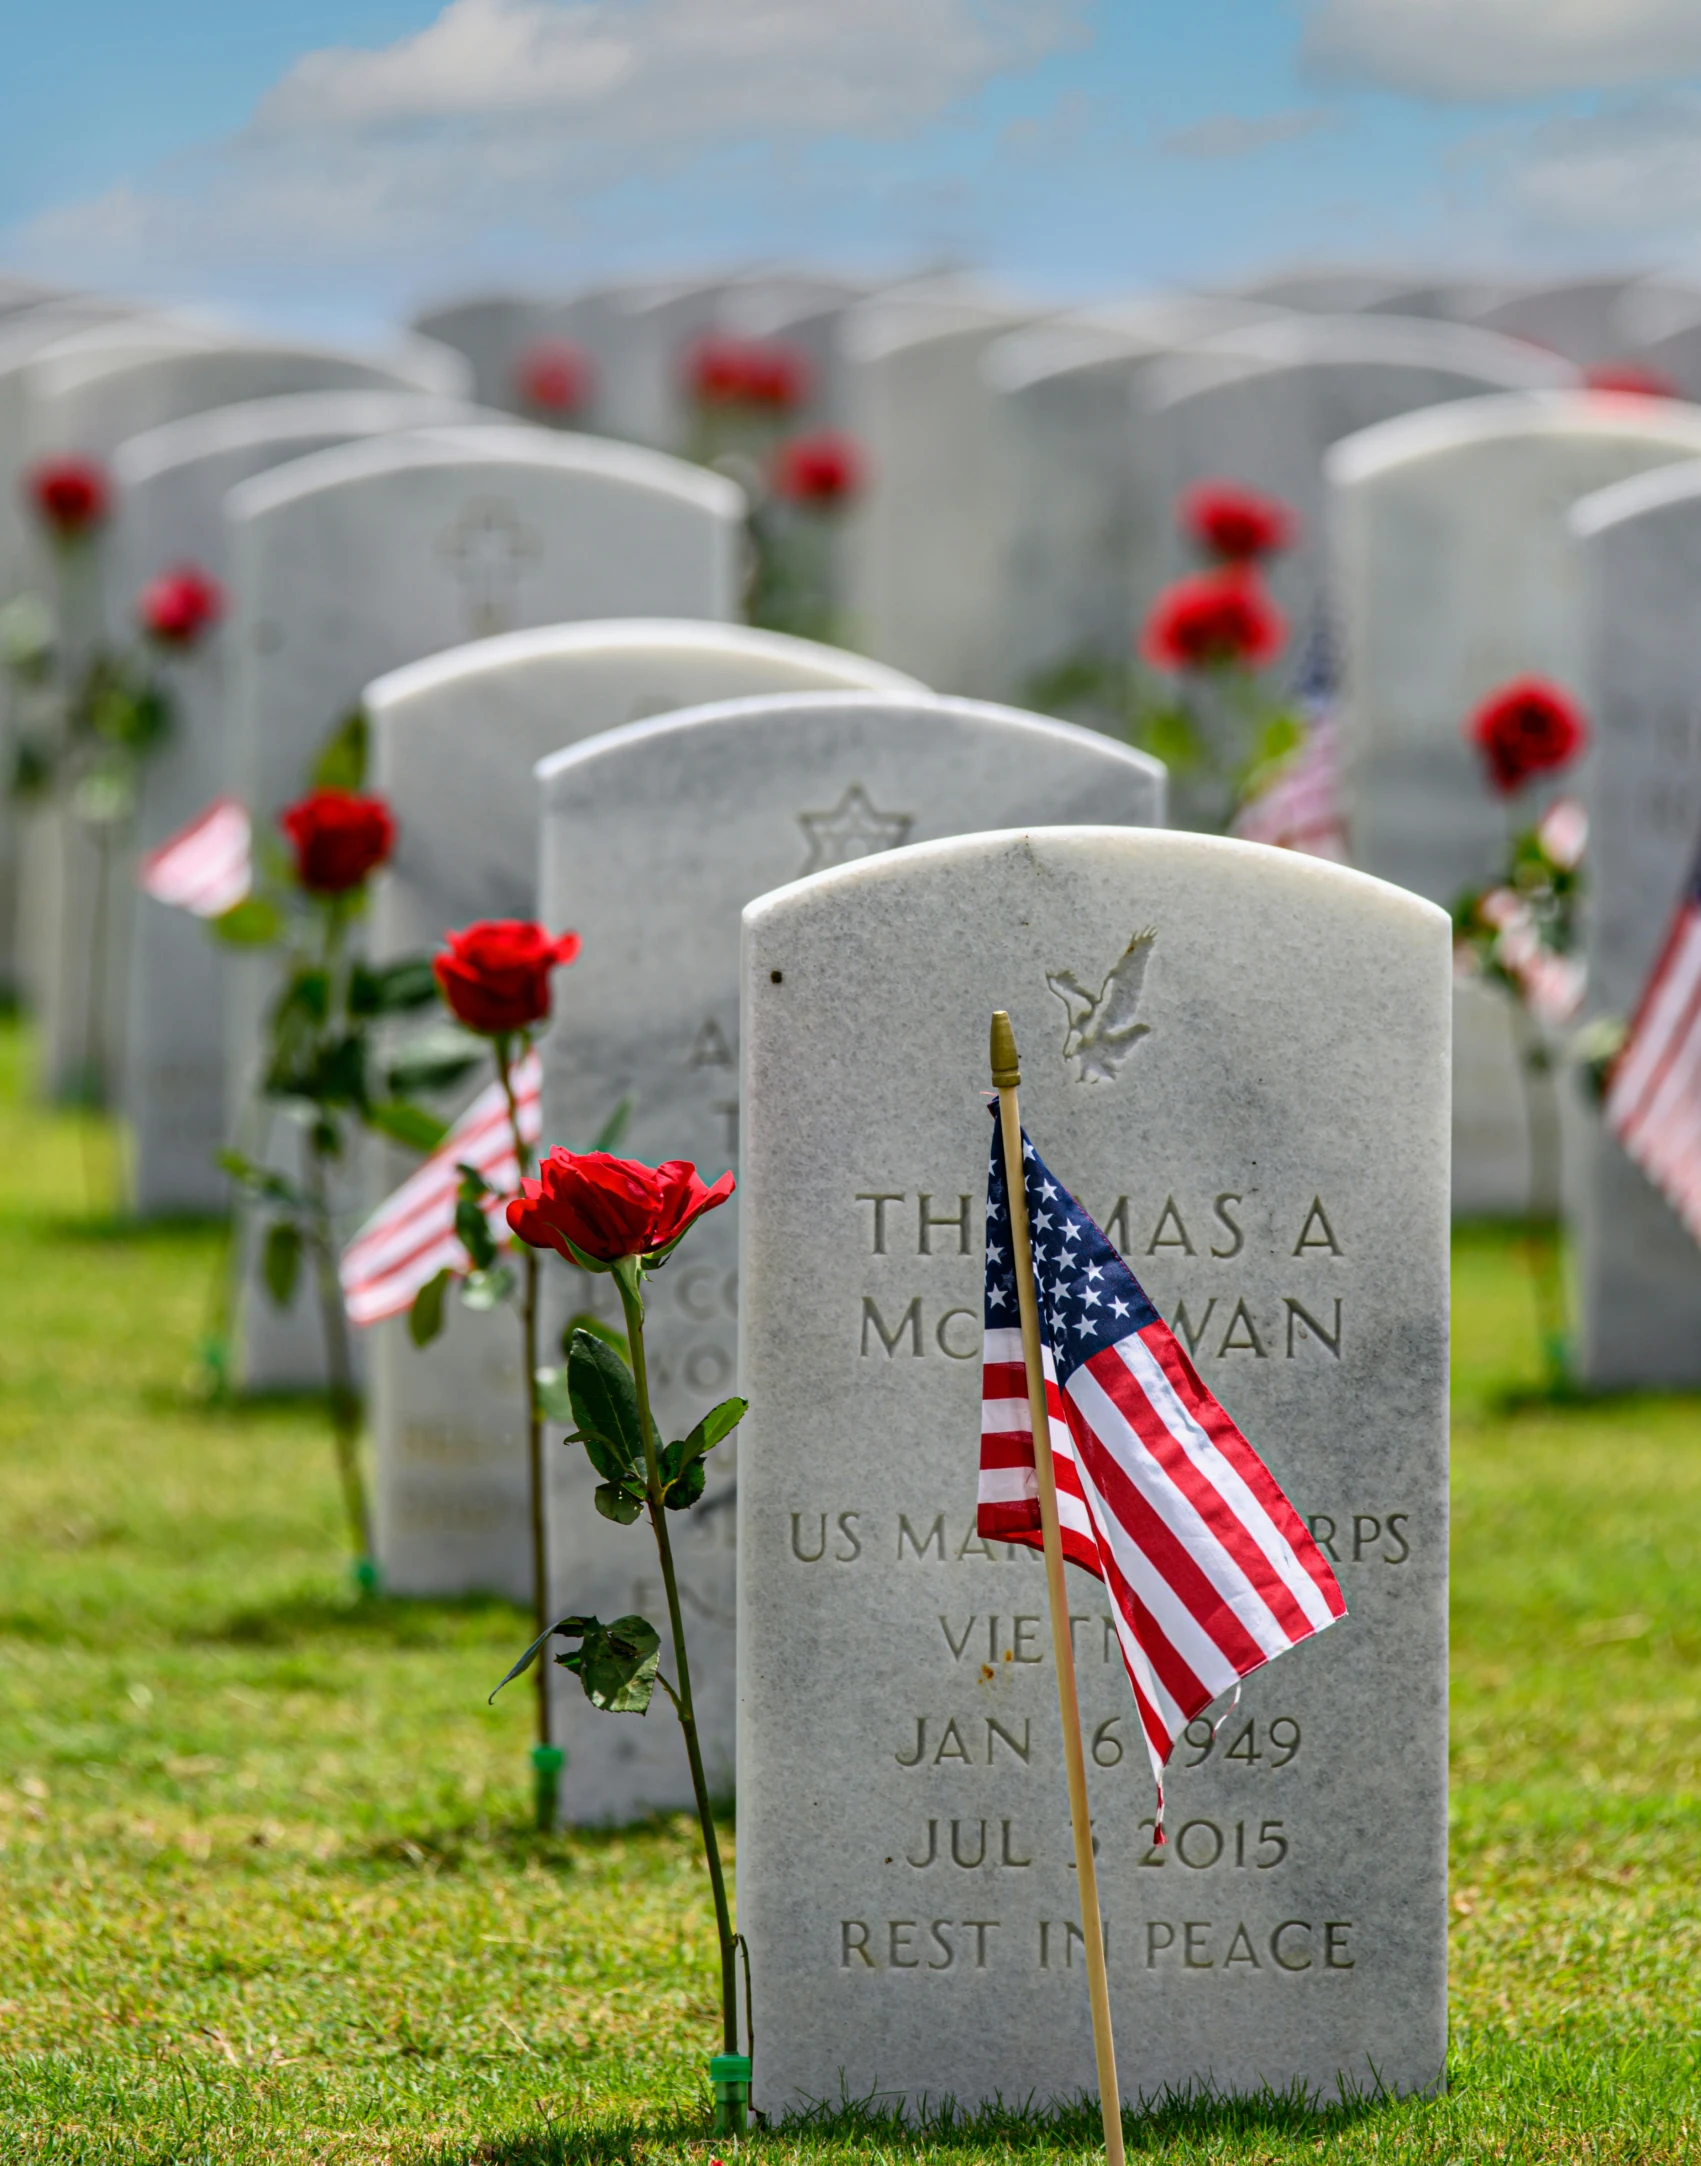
[[267, 1892]]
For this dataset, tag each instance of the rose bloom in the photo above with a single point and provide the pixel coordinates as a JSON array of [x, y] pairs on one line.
[[178, 606], [1527, 728], [1236, 525], [1630, 380], [70, 497], [556, 375], [824, 470], [609, 1208], [1213, 618], [495, 975], [338, 839], [722, 371]]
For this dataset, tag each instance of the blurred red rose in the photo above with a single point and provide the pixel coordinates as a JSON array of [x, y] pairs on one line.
[[1213, 618], [824, 470], [495, 974], [768, 373], [608, 1208], [1630, 380], [556, 375], [1527, 728], [71, 497], [178, 606], [338, 839], [1236, 525]]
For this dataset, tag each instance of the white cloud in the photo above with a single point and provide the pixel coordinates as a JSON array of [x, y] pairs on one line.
[[538, 119], [1471, 50], [1634, 170], [1234, 135]]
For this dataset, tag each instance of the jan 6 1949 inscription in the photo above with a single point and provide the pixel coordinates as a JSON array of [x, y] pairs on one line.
[[1238, 1060]]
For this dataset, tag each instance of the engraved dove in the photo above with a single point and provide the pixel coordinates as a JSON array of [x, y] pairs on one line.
[[1102, 1028]]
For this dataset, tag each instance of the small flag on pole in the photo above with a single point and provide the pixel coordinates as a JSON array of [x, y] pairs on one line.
[[1211, 1572], [411, 1236], [205, 867], [1653, 1103]]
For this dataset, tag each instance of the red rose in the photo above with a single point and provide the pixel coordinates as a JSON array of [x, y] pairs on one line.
[[722, 371], [824, 470], [1630, 380], [338, 838], [609, 1208], [495, 975], [178, 606], [69, 496], [1213, 618], [1234, 524], [1528, 727], [556, 375]]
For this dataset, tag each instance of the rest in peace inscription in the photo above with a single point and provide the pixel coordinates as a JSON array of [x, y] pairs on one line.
[[1244, 1279]]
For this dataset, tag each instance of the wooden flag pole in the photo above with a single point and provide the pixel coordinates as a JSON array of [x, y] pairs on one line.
[[1006, 1076]]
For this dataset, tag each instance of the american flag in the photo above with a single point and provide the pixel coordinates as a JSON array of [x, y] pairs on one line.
[[205, 867], [1210, 1570], [1653, 1103], [411, 1236], [1302, 807]]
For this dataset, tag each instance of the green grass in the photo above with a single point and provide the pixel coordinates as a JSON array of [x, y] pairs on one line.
[[267, 1892]]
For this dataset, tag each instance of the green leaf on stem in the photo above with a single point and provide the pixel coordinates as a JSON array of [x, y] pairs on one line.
[[391, 988], [472, 1230], [481, 1290], [341, 764], [616, 1663], [425, 1317], [683, 1472], [618, 1503], [406, 1123], [261, 1180], [422, 1069], [605, 1407], [473, 1183], [280, 1263], [610, 1334], [254, 922]]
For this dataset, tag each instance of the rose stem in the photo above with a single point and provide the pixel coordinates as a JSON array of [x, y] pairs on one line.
[[631, 1300], [548, 1780]]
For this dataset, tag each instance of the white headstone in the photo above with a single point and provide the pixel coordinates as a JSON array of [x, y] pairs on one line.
[[1640, 553], [1578, 319], [922, 546], [1262, 405], [904, 1866], [1453, 573], [723, 803], [348, 564], [454, 743], [171, 485], [495, 332]]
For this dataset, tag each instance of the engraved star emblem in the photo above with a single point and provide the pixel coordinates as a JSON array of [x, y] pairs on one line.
[[854, 828]]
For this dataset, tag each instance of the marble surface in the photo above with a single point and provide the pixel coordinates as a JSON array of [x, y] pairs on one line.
[[171, 485], [454, 743], [705, 810], [357, 560], [1639, 548], [1453, 571], [1272, 1158]]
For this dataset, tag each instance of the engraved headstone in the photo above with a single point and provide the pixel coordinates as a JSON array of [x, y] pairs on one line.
[[1262, 405], [357, 560], [905, 1875], [921, 548], [171, 485], [723, 803], [455, 740], [1640, 559], [1454, 572]]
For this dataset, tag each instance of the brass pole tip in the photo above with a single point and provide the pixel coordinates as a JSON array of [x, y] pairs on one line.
[[1005, 1073]]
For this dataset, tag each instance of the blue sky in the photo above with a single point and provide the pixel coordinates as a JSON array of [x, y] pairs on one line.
[[331, 165]]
